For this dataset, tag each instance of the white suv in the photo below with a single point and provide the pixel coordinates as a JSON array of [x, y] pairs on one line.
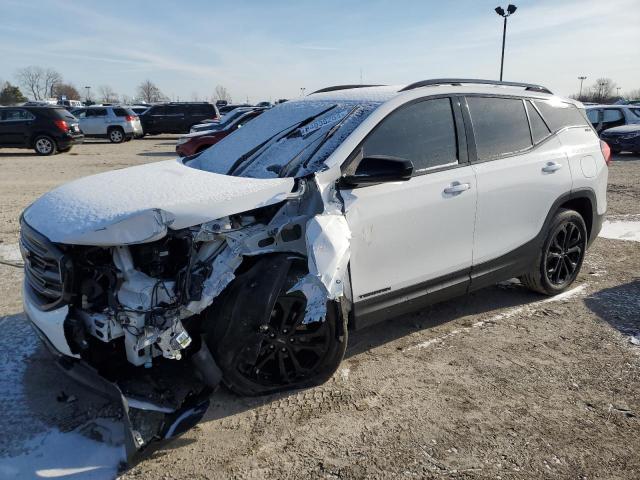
[[252, 260], [116, 123]]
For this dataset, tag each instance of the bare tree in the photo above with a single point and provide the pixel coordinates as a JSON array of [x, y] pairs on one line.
[[39, 82], [221, 93], [66, 90], [107, 94], [126, 99], [149, 92], [633, 94]]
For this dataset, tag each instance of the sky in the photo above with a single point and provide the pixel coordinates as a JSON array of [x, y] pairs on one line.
[[265, 50]]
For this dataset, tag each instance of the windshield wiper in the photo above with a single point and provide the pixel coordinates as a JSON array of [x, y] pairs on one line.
[[255, 151], [294, 163]]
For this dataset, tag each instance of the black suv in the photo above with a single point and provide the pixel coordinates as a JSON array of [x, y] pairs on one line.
[[47, 129], [176, 117]]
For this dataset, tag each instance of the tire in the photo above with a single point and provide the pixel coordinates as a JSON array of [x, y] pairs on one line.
[[45, 145], [260, 344], [116, 135], [561, 255]]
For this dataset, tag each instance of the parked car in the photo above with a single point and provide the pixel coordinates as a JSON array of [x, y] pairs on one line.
[[46, 129], [624, 138], [252, 261], [197, 142], [225, 120], [232, 106], [176, 117], [603, 117], [118, 124], [70, 104]]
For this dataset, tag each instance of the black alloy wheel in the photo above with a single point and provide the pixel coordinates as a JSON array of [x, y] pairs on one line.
[[256, 333], [564, 254]]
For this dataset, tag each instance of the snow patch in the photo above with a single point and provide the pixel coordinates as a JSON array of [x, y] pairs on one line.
[[54, 454], [10, 252], [621, 230]]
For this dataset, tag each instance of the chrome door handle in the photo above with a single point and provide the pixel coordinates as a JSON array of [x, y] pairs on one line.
[[457, 187], [551, 167]]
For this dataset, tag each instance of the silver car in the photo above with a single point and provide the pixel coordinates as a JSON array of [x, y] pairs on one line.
[[117, 123]]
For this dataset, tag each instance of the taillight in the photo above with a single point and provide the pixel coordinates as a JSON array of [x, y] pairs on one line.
[[62, 125], [606, 152], [130, 118]]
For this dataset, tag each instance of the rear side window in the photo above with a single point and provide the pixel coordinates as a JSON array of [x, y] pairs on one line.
[[500, 126], [422, 132], [612, 115], [539, 130], [175, 109], [96, 112], [202, 109], [158, 110], [16, 115], [120, 112], [559, 115], [592, 115], [635, 111]]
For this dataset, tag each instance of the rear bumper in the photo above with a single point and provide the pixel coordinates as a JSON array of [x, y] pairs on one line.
[[66, 141]]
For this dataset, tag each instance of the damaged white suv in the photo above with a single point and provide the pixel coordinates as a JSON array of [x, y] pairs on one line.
[[251, 261]]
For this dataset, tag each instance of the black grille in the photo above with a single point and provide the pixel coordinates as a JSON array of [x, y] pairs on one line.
[[46, 268]]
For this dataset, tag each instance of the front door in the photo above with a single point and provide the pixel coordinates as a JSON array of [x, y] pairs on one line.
[[413, 238]]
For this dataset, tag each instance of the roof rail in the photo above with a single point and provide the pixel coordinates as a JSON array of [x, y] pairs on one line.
[[342, 87], [459, 81]]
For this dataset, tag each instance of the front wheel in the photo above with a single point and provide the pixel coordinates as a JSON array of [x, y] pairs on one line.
[[561, 256], [258, 336], [44, 145]]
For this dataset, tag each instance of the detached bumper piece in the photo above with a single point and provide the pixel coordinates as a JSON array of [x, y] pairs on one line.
[[153, 412]]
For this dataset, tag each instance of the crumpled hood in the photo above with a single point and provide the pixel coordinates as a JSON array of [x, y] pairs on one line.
[[138, 204]]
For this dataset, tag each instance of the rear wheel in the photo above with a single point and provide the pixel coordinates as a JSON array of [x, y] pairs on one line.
[[262, 345], [561, 256], [44, 145], [116, 135]]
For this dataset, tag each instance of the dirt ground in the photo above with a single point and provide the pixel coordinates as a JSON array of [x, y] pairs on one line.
[[500, 384]]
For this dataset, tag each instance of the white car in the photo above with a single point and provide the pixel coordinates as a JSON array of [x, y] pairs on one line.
[[116, 123], [252, 260]]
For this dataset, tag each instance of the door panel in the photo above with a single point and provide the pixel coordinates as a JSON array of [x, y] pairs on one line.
[[514, 196], [410, 232]]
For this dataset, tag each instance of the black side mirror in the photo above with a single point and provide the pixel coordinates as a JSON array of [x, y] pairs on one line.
[[379, 169]]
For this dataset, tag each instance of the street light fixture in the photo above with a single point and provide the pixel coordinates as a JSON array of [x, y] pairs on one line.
[[86, 98], [511, 9], [302, 89], [582, 79]]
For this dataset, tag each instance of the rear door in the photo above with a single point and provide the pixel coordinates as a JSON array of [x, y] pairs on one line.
[[15, 126], [521, 170], [413, 238]]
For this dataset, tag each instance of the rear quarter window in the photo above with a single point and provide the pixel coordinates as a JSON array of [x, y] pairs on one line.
[[120, 112], [559, 115]]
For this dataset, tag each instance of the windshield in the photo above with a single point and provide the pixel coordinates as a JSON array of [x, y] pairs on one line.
[[292, 140]]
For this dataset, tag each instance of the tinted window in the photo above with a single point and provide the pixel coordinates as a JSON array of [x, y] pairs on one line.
[[16, 115], [96, 112], [612, 115], [500, 126], [120, 112], [423, 132], [539, 130], [158, 110], [592, 115], [202, 109], [559, 114], [174, 109], [635, 111]]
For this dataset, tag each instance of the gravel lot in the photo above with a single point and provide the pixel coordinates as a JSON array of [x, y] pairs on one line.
[[499, 384]]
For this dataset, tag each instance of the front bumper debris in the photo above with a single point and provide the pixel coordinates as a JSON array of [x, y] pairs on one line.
[[145, 422]]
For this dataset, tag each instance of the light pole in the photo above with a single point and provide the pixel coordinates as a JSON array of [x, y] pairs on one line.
[[302, 89], [86, 98], [618, 90], [582, 79], [511, 9]]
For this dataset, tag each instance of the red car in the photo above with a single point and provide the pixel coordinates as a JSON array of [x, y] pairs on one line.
[[197, 142]]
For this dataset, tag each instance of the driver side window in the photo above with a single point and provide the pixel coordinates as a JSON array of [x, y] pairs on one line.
[[423, 132]]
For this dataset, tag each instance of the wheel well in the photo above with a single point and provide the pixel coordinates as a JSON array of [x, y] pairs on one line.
[[583, 206]]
